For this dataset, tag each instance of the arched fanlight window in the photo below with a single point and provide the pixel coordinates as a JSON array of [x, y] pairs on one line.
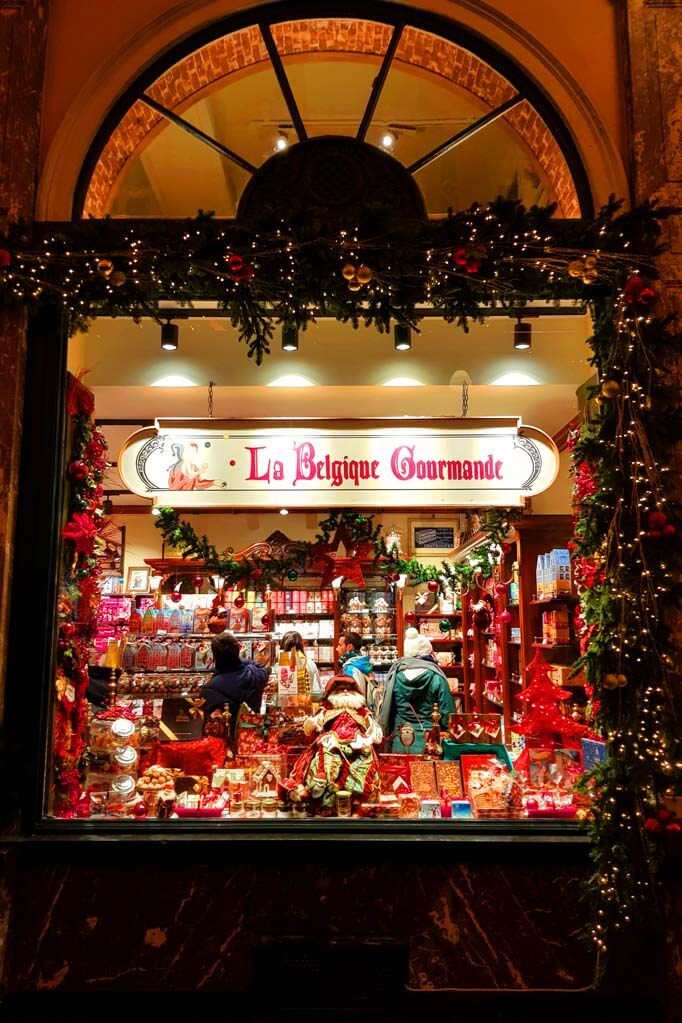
[[195, 128]]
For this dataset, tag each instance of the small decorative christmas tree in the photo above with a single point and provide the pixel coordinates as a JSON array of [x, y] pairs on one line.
[[544, 720]]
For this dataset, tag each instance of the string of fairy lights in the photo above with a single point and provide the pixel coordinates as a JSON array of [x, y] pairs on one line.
[[627, 536]]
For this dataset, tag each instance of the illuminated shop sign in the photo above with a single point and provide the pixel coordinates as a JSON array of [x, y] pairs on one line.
[[356, 463]]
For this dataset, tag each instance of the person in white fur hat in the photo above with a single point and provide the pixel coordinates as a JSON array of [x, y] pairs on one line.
[[413, 685]]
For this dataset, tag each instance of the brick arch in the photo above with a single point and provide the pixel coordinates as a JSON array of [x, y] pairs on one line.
[[245, 48]]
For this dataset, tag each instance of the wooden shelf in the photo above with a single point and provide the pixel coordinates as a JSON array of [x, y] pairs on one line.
[[303, 614], [438, 614], [554, 646], [567, 599]]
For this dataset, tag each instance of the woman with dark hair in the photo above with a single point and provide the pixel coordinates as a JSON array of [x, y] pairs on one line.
[[306, 670]]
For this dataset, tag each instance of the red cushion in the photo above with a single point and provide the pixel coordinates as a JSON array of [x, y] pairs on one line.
[[195, 757]]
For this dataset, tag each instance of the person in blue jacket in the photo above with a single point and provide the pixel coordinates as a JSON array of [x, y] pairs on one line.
[[353, 661], [234, 681], [413, 685]]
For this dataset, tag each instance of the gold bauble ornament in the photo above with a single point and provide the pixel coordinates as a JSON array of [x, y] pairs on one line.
[[348, 271], [610, 388], [364, 274], [575, 268], [622, 680], [354, 285], [117, 279], [610, 681], [600, 400], [590, 262], [104, 267]]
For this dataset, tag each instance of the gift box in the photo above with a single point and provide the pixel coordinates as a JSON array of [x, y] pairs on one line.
[[455, 751], [423, 779], [491, 789], [449, 779], [394, 772]]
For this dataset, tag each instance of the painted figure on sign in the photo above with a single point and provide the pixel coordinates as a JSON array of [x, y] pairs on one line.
[[186, 473]]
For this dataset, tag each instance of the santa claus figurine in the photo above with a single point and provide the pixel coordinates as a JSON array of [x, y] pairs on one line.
[[342, 757]]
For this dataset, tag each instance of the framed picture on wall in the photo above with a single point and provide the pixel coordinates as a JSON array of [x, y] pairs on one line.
[[433, 537], [138, 579]]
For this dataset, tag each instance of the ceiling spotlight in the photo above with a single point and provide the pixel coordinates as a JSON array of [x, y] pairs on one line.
[[402, 337], [281, 142], [169, 336], [107, 506], [289, 338], [388, 140], [522, 335], [284, 511]]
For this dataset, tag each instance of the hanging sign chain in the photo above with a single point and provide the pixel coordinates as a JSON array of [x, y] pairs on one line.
[[210, 399], [465, 399]]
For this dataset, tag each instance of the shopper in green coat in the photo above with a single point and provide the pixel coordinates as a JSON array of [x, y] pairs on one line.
[[413, 685]]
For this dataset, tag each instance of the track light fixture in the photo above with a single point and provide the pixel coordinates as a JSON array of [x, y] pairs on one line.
[[522, 335], [402, 337], [107, 506], [289, 338], [169, 336]]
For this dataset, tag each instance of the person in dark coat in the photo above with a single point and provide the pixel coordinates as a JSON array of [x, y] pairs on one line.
[[235, 681], [413, 685]]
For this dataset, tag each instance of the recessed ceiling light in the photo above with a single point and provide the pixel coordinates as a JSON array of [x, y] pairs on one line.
[[403, 382], [292, 380], [388, 140], [515, 380], [284, 511], [174, 380], [281, 142]]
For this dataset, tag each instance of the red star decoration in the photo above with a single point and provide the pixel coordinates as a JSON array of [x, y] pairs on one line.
[[349, 566]]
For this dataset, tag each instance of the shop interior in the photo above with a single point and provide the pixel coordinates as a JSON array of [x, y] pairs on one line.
[[156, 749]]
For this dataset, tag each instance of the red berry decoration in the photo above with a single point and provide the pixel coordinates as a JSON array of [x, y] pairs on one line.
[[673, 827], [239, 600], [652, 825], [410, 618], [500, 589], [5, 258], [235, 263], [78, 470], [67, 629], [432, 586], [657, 520]]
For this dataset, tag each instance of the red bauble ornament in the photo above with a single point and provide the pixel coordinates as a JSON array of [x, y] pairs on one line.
[[140, 811], [673, 827], [654, 534], [265, 621], [238, 601], [657, 520], [235, 263], [5, 257], [410, 618], [670, 531], [395, 577], [67, 629], [198, 582], [459, 257], [505, 617], [176, 597], [432, 586], [245, 274], [78, 470], [652, 825], [646, 296], [532, 804], [500, 588]]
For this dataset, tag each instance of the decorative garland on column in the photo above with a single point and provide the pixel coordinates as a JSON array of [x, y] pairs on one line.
[[79, 597]]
